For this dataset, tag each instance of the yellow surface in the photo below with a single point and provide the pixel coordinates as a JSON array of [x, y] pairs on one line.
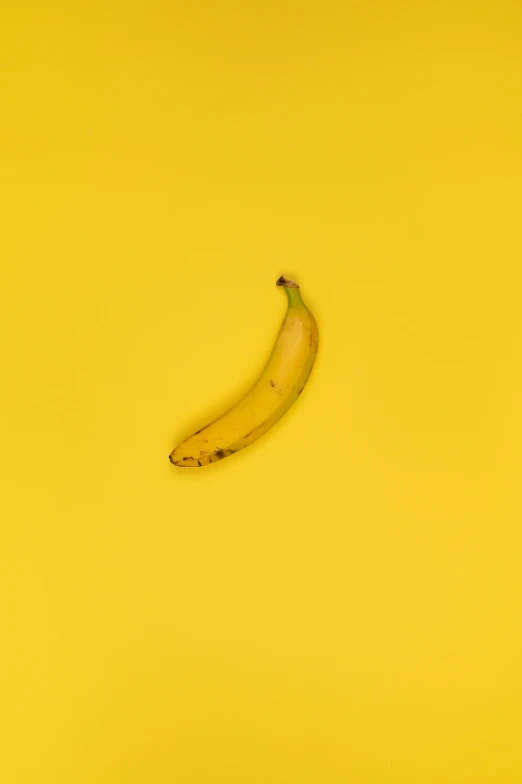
[[341, 603]]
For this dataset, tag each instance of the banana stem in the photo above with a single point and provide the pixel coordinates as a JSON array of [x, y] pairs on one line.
[[292, 290]]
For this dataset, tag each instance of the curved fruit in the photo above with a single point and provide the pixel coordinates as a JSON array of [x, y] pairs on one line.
[[278, 387]]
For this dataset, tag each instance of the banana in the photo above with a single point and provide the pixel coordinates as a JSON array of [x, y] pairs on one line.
[[278, 387]]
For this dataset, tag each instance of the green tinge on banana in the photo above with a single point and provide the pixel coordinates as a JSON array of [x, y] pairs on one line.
[[278, 387]]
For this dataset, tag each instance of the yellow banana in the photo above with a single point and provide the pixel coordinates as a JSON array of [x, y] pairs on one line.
[[278, 387]]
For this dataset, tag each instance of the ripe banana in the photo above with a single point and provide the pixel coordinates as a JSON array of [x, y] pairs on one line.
[[278, 387]]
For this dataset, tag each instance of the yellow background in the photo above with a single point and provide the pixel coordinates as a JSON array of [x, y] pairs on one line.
[[341, 602]]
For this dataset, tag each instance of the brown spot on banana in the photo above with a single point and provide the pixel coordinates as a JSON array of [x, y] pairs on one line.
[[222, 453]]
